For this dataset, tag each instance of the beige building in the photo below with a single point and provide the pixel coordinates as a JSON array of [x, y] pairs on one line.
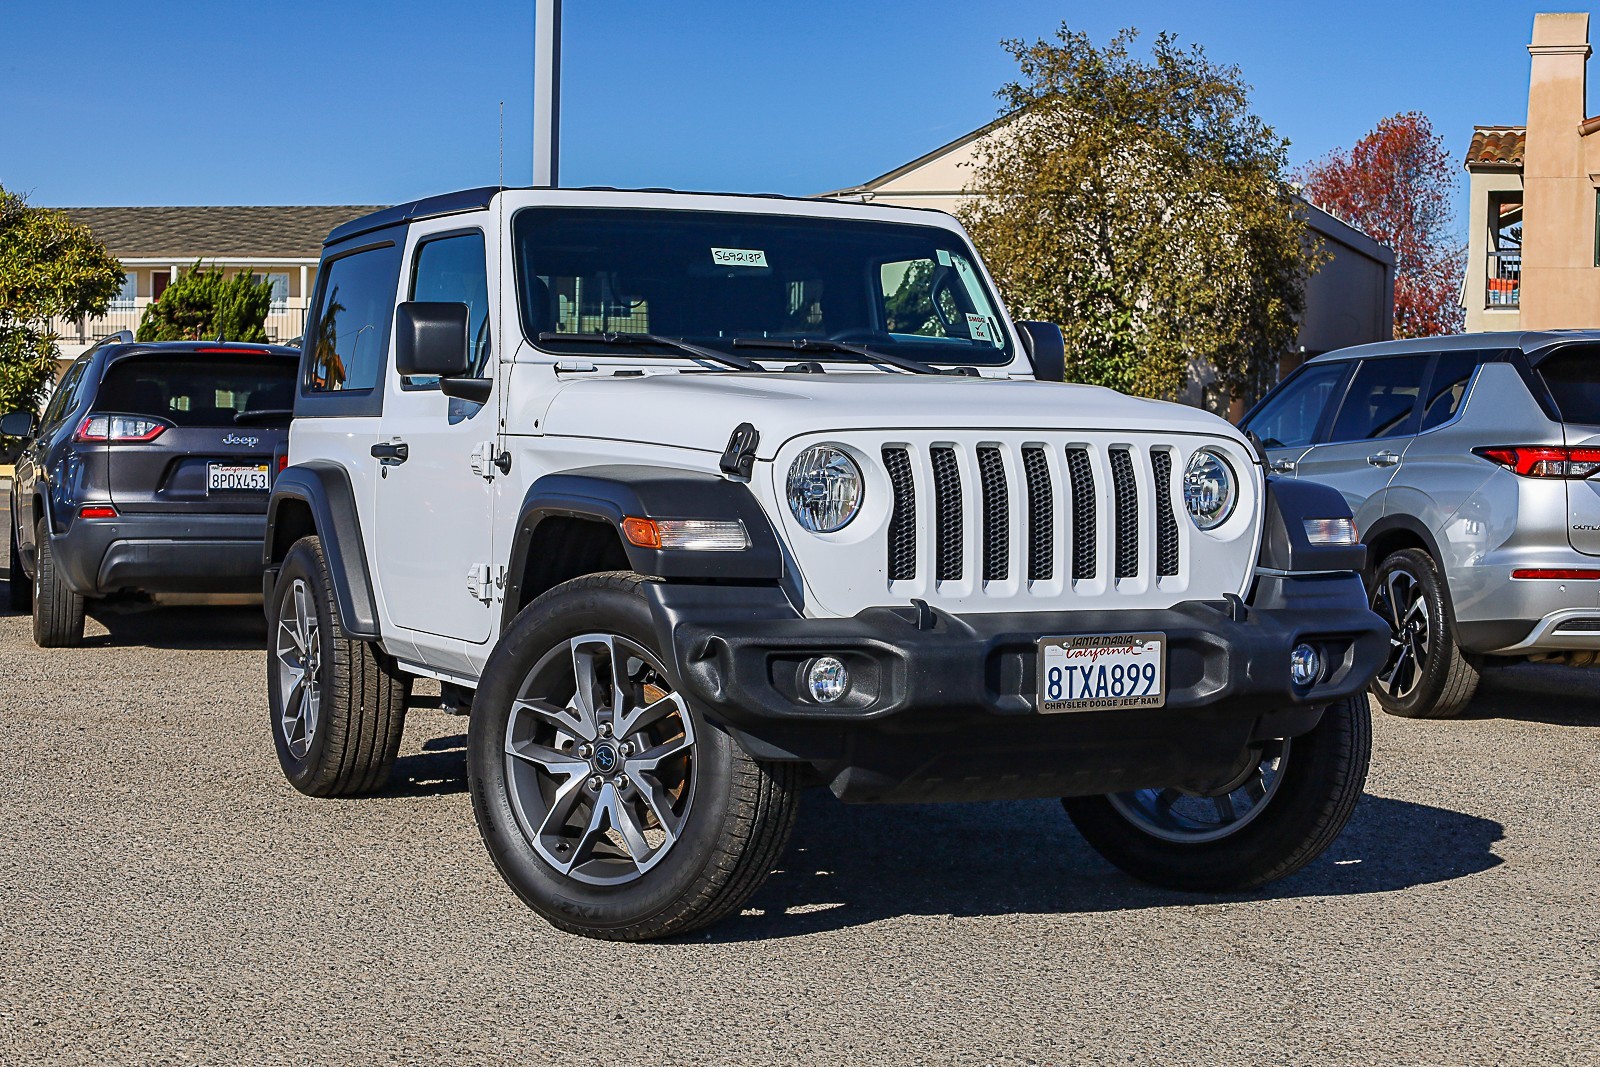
[[155, 244], [1533, 247]]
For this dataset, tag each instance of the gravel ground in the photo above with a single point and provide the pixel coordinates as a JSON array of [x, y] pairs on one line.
[[166, 897]]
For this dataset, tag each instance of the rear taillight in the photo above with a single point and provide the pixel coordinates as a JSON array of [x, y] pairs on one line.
[[283, 462], [97, 511], [1544, 461], [102, 428]]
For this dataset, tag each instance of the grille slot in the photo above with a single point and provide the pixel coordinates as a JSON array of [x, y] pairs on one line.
[[1127, 496], [1081, 474], [1041, 516], [949, 543], [903, 519], [996, 515], [1166, 521]]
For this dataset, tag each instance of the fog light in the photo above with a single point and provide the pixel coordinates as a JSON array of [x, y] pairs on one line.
[[828, 678], [1305, 665]]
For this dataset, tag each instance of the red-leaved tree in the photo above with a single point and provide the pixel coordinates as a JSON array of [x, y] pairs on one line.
[[1397, 184]]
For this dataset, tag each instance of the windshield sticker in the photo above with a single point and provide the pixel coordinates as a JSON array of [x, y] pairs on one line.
[[739, 257], [944, 258], [978, 327]]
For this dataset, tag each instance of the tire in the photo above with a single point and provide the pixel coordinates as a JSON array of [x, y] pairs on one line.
[[338, 734], [57, 610], [1298, 811], [688, 834], [1409, 593], [19, 586]]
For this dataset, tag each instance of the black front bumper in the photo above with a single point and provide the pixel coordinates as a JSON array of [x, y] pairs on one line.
[[162, 554], [943, 707]]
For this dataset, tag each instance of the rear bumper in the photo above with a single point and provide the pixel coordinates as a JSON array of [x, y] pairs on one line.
[[943, 706], [162, 554], [1497, 614]]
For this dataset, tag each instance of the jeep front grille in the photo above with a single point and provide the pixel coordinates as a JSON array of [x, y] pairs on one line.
[[980, 493]]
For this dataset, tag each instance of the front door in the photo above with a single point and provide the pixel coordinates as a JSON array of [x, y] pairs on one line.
[[1366, 442], [435, 498], [1286, 424]]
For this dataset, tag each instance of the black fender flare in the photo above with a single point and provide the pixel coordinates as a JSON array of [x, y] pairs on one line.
[[613, 492], [1285, 548], [325, 488]]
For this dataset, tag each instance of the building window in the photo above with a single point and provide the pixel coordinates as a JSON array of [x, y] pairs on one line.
[[128, 293], [1597, 227], [280, 288], [1504, 288]]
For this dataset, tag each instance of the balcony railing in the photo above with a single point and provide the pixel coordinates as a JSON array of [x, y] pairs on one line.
[[1504, 288], [284, 322]]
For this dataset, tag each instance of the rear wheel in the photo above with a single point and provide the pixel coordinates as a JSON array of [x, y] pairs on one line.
[[337, 705], [1281, 813], [1426, 676], [57, 610], [18, 584], [607, 801]]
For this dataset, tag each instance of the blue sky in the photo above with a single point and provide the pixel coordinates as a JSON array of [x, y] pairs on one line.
[[368, 103]]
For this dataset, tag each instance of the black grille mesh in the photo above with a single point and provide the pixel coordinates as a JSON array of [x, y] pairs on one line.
[[996, 516], [1127, 513], [1083, 513], [948, 544], [903, 520], [1041, 516], [1166, 521]]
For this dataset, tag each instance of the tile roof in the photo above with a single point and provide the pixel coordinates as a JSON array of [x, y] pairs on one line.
[[1499, 145], [188, 233]]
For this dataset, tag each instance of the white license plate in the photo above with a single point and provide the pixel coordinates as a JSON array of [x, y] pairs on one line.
[[226, 477], [1102, 672]]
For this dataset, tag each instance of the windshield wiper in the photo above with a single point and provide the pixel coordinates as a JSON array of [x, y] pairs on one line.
[[263, 415], [827, 344], [624, 339]]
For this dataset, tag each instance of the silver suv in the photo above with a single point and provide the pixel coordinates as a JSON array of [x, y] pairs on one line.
[[1472, 465]]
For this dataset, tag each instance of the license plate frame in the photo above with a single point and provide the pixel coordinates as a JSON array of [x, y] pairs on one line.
[[218, 474], [1091, 667]]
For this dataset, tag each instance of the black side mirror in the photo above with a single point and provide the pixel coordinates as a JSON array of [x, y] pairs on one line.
[[430, 339], [17, 424], [1046, 348]]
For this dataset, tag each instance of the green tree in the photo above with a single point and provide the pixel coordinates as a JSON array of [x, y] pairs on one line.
[[204, 305], [49, 268], [1140, 204]]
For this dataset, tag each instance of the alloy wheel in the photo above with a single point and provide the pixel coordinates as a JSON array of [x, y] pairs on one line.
[[1403, 603], [1191, 818], [600, 759], [298, 650]]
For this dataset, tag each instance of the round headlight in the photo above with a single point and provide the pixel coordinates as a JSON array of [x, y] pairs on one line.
[[1209, 489], [824, 489]]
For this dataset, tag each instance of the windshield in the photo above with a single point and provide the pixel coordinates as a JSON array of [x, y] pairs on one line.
[[711, 277]]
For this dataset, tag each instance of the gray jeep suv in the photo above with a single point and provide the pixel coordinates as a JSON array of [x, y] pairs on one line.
[[1472, 464]]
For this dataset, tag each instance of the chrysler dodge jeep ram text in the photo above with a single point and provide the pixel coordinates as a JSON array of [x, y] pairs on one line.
[[708, 498]]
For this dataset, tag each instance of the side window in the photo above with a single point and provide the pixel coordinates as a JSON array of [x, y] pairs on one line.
[[1451, 376], [351, 325], [452, 269], [1381, 399], [939, 297], [65, 396], [1289, 419]]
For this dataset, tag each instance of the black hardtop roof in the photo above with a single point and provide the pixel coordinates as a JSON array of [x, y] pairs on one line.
[[1528, 341], [432, 207]]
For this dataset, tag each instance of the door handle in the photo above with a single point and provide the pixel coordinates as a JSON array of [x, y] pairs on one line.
[[1282, 466], [1384, 459], [391, 453]]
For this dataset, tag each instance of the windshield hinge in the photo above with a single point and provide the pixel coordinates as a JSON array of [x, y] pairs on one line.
[[739, 458], [485, 457]]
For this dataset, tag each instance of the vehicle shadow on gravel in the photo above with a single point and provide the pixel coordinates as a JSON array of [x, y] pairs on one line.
[[440, 768], [220, 629], [1536, 692], [851, 865]]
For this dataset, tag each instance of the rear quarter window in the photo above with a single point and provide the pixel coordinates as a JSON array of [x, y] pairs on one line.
[[1573, 377], [198, 391]]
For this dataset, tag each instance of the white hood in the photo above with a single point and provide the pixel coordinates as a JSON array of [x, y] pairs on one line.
[[699, 411]]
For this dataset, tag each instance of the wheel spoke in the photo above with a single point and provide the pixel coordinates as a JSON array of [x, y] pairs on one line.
[[647, 716], [568, 721], [588, 654], [1395, 599], [626, 825], [1224, 806], [301, 614], [547, 759], [650, 760], [660, 805], [595, 828], [555, 819]]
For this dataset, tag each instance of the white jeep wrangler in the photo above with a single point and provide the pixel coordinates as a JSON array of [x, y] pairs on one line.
[[702, 499]]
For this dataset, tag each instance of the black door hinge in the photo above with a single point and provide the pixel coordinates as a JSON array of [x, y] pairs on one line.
[[739, 458]]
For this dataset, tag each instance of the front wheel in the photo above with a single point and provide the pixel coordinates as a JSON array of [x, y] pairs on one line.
[[1426, 676], [606, 800], [1289, 805]]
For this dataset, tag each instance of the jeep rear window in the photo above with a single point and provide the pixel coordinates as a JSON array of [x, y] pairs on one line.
[[199, 391], [711, 277], [1573, 377]]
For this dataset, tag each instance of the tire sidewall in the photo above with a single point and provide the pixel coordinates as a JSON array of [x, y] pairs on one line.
[[1441, 634], [586, 606], [1313, 775], [301, 562]]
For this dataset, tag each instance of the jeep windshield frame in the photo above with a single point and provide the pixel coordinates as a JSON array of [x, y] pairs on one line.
[[710, 278]]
